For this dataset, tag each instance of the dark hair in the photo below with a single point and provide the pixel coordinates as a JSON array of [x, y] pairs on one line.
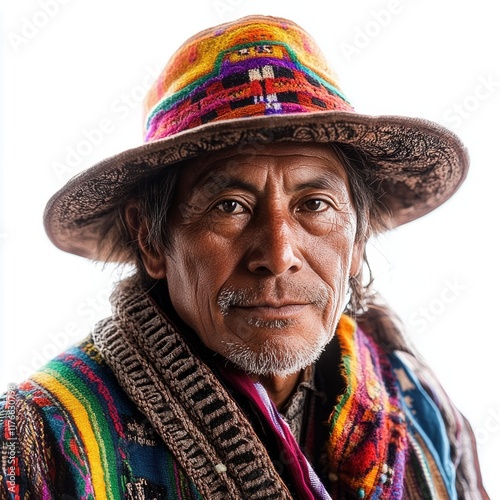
[[372, 219]]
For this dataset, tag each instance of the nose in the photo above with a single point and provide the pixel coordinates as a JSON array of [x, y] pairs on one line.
[[274, 248]]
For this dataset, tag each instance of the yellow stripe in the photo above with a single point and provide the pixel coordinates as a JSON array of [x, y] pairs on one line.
[[345, 334], [79, 414]]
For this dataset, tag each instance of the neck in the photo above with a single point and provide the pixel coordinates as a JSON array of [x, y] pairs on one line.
[[277, 387]]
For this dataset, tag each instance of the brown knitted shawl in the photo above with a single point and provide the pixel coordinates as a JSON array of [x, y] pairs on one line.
[[192, 412]]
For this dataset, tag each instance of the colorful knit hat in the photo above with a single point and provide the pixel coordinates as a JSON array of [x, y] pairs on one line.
[[255, 80]]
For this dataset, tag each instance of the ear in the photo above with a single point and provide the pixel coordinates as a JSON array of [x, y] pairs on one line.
[[139, 230], [357, 258]]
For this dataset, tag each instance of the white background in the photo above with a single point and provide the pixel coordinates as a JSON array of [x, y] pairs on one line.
[[71, 66]]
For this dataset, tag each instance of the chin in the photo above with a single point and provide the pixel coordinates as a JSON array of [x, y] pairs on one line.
[[279, 355]]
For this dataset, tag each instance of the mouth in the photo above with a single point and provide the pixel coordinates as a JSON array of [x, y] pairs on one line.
[[257, 304], [269, 312], [270, 317]]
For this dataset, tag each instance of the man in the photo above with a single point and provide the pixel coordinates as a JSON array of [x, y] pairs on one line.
[[246, 356]]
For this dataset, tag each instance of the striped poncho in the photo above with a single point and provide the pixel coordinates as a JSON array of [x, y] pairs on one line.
[[140, 411]]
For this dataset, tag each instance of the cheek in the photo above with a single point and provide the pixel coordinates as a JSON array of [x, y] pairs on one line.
[[342, 243], [336, 256], [197, 269], [333, 253], [332, 262]]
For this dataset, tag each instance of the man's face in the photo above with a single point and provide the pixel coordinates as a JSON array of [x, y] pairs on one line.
[[262, 249]]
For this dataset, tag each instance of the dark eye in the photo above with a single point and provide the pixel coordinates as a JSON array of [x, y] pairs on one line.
[[230, 207], [316, 205]]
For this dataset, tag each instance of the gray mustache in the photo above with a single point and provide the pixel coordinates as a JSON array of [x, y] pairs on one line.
[[245, 297]]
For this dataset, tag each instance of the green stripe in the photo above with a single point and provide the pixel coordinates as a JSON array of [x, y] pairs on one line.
[[74, 383], [346, 363]]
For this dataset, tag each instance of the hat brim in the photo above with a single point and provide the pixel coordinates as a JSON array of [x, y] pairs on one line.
[[419, 164]]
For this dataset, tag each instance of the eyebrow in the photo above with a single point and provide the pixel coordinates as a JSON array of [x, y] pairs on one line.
[[321, 182], [217, 187], [327, 182]]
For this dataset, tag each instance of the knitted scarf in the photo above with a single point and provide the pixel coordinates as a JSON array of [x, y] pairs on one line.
[[213, 440]]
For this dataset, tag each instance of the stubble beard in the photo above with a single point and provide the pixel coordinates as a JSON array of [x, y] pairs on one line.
[[283, 352], [280, 355]]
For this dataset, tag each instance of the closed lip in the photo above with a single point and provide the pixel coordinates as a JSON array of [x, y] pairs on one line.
[[272, 310], [274, 304]]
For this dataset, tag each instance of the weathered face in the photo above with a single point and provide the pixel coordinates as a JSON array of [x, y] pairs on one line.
[[262, 249]]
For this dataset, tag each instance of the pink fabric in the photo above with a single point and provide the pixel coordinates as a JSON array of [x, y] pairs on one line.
[[306, 482]]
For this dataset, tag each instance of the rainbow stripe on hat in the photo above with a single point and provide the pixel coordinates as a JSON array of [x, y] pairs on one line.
[[256, 67]]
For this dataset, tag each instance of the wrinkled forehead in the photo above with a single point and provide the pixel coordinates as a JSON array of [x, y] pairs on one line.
[[297, 159]]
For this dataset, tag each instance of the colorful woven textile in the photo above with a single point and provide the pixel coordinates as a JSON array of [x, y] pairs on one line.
[[367, 427], [244, 69], [143, 412], [80, 436]]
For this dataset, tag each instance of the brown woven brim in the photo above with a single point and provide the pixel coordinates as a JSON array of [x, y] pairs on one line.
[[420, 164]]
